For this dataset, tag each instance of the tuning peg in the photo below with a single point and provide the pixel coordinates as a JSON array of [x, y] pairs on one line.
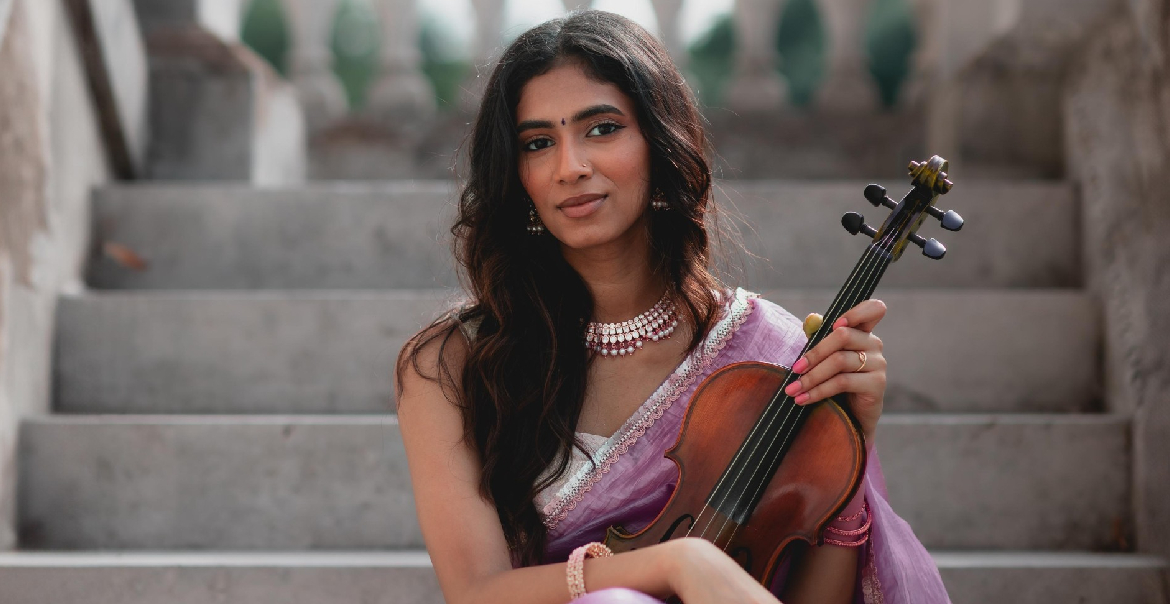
[[876, 194], [855, 223], [951, 220], [930, 248]]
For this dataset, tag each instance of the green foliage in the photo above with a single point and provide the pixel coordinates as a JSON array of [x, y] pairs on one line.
[[890, 39], [800, 40], [265, 31], [445, 71], [712, 60], [355, 44]]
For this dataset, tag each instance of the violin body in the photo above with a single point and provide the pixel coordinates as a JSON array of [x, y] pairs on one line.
[[817, 477]]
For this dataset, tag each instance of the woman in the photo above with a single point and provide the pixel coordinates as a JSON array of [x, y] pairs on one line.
[[529, 427]]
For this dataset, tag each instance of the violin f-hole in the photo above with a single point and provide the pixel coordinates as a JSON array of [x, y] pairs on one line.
[[746, 553], [669, 534]]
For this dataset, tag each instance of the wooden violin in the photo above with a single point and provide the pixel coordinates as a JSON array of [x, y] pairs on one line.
[[757, 472]]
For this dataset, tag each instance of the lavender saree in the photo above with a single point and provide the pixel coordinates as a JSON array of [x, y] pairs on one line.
[[630, 481]]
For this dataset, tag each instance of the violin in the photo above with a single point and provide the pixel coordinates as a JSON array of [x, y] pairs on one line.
[[759, 474]]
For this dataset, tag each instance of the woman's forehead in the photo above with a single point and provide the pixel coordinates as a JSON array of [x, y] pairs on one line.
[[565, 90]]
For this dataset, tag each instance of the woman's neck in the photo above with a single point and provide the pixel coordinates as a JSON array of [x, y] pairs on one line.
[[619, 276]]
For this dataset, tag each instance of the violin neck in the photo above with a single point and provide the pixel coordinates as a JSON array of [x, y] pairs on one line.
[[858, 287]]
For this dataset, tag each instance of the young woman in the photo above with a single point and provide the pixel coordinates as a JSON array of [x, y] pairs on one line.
[[535, 416]]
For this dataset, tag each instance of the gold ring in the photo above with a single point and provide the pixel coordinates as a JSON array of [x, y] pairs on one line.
[[861, 356]]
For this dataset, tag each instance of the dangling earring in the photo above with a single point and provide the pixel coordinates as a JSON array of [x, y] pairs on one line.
[[658, 201], [535, 226]]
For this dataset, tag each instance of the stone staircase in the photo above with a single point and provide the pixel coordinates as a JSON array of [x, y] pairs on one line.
[[224, 427]]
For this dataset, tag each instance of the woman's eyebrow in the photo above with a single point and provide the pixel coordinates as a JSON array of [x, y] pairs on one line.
[[583, 114], [589, 112]]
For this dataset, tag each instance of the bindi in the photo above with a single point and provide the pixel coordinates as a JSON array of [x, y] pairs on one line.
[[562, 121]]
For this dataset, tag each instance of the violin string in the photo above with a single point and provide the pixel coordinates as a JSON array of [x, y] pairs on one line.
[[868, 279], [834, 307], [788, 428], [757, 427]]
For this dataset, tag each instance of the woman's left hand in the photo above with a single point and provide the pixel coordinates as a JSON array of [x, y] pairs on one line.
[[848, 360]]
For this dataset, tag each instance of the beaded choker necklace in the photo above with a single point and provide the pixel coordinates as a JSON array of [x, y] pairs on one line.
[[627, 337]]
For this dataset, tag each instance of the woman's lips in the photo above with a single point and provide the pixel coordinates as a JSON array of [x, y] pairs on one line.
[[581, 205]]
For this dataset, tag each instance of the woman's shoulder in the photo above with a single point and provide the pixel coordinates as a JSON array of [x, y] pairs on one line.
[[769, 332], [436, 352]]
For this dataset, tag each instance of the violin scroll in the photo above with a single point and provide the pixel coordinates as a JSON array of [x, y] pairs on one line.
[[901, 227]]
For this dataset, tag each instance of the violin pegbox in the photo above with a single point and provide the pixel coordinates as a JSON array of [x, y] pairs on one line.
[[930, 180]]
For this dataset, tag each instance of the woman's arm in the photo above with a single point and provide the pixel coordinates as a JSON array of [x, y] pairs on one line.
[[466, 542]]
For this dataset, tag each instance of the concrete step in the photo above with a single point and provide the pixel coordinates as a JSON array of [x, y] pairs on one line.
[[407, 578], [323, 352], [199, 578], [1003, 482], [1028, 577], [395, 235]]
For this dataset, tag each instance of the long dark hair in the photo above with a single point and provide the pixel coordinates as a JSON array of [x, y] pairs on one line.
[[521, 384]]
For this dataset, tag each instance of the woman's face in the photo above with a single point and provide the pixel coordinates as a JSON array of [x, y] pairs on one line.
[[583, 159]]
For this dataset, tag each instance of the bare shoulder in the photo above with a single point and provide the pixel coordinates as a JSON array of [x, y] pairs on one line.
[[431, 361]]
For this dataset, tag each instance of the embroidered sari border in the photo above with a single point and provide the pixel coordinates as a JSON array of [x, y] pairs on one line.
[[574, 490]]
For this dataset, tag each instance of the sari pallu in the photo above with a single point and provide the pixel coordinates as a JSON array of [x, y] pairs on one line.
[[629, 481]]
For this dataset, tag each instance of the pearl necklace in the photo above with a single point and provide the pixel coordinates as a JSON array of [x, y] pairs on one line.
[[627, 337]]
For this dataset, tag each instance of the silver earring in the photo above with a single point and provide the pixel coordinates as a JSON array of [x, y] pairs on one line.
[[658, 201], [535, 226]]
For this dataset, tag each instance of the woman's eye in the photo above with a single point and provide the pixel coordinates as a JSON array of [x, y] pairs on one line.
[[537, 144], [603, 129]]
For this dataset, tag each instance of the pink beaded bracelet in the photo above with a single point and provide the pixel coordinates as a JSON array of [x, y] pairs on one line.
[[862, 531], [575, 570]]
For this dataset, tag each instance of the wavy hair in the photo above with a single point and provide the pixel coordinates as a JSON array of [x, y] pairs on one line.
[[521, 384]]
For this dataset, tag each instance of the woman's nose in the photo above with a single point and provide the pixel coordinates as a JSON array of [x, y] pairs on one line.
[[572, 163]]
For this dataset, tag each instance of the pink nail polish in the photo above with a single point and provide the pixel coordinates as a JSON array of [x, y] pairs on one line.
[[792, 389], [802, 398], [801, 365]]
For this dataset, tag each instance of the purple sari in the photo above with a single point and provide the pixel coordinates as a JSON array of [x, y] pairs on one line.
[[632, 481]]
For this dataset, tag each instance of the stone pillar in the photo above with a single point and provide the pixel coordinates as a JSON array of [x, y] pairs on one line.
[[928, 49], [757, 85], [220, 17], [401, 94], [311, 24], [489, 24], [669, 31], [848, 85]]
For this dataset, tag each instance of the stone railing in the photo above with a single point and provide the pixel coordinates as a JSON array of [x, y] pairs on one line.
[[951, 35], [757, 86]]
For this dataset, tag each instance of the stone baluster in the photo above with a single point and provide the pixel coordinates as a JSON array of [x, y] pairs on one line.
[[848, 85], [401, 93], [489, 25], [757, 85], [669, 28], [320, 92], [924, 62]]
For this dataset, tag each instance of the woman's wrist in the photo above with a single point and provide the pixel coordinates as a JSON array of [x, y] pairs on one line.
[[676, 557]]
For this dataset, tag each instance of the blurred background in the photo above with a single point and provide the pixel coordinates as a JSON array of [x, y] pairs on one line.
[[707, 31], [220, 219]]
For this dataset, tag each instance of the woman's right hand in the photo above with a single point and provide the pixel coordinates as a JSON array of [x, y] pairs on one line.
[[703, 574]]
